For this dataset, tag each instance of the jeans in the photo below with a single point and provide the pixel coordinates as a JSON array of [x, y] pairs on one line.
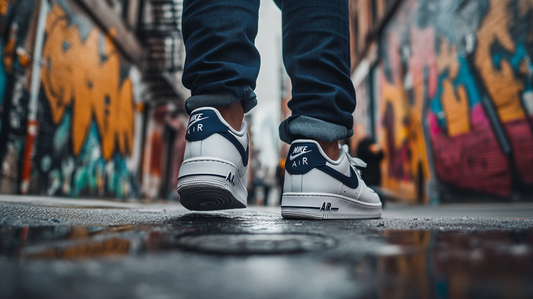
[[222, 63]]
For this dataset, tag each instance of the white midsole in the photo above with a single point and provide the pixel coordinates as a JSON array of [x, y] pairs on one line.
[[300, 198], [326, 206]]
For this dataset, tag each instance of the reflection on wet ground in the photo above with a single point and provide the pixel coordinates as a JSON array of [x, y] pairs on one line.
[[51, 242], [454, 264], [431, 260], [419, 263], [60, 242]]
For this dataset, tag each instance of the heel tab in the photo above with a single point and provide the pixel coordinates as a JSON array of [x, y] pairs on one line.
[[320, 150], [303, 156], [203, 123], [206, 122], [215, 112]]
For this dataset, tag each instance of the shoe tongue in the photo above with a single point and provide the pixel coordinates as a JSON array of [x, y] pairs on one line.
[[356, 162]]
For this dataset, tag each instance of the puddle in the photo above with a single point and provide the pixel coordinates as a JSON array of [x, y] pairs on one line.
[[435, 263], [62, 242], [78, 207], [255, 243], [452, 264], [434, 256]]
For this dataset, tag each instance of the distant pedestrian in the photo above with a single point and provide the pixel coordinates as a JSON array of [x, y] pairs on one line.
[[372, 154]]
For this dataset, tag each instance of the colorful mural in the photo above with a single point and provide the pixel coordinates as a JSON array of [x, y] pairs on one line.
[[86, 110], [82, 72], [81, 118], [454, 93]]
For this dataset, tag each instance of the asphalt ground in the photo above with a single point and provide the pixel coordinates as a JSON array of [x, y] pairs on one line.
[[70, 248]]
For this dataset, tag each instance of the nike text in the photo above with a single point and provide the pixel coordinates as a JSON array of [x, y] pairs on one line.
[[298, 151], [196, 118]]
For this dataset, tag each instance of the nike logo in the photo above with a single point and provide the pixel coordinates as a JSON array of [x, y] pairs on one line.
[[292, 157], [196, 118], [298, 151], [351, 181]]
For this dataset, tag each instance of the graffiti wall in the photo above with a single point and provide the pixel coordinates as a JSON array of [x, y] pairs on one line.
[[89, 109], [454, 93], [17, 30]]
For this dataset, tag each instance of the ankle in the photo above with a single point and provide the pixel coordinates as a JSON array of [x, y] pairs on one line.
[[233, 114], [331, 149]]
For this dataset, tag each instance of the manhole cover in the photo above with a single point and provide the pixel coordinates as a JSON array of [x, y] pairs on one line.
[[255, 243]]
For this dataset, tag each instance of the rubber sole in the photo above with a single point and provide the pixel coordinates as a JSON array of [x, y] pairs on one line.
[[326, 206], [208, 184], [201, 194]]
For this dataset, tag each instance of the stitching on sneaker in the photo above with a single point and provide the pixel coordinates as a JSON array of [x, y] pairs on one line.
[[209, 160]]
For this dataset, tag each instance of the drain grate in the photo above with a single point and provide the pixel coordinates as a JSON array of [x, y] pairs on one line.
[[255, 243]]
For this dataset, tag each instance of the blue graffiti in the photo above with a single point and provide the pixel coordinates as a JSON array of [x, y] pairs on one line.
[[464, 78], [515, 60], [96, 176]]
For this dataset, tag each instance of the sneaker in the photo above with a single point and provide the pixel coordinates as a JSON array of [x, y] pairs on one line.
[[317, 187], [213, 173]]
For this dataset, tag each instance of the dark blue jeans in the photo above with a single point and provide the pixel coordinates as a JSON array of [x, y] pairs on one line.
[[222, 63]]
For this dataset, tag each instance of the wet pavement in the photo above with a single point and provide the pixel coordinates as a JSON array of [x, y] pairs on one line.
[[51, 248]]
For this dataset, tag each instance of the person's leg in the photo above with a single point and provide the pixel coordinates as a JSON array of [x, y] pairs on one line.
[[322, 181], [316, 53], [221, 67], [222, 63]]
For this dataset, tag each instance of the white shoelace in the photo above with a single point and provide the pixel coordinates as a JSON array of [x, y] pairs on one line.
[[354, 162]]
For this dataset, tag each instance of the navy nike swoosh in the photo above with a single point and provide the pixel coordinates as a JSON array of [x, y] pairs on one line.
[[244, 152], [195, 121], [351, 181]]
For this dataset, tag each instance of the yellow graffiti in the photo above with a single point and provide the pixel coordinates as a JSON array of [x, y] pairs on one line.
[[455, 105], [85, 75], [454, 102], [401, 98], [447, 59], [9, 49], [393, 94], [4, 5], [502, 85]]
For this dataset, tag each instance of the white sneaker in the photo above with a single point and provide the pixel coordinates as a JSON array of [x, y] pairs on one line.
[[213, 173], [317, 187]]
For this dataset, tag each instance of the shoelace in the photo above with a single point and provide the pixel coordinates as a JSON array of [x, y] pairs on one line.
[[356, 163]]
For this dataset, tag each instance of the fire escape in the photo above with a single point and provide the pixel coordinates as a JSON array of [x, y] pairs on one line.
[[160, 31]]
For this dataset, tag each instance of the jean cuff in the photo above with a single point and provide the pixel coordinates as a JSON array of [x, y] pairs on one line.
[[223, 98], [305, 127]]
